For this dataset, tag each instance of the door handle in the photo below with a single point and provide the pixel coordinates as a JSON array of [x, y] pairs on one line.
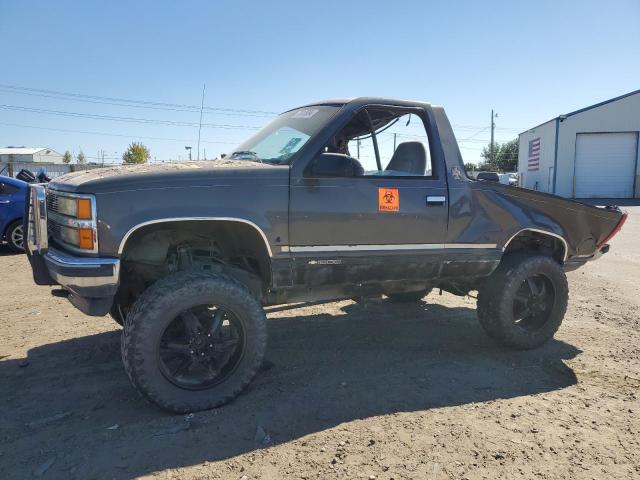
[[5, 201], [436, 200]]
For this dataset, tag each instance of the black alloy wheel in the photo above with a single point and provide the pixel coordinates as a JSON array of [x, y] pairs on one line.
[[533, 302], [201, 347]]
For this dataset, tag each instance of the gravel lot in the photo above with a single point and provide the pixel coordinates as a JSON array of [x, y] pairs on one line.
[[377, 391]]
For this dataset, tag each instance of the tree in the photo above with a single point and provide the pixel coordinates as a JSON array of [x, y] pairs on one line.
[[66, 158], [504, 159], [470, 167], [81, 158], [136, 153]]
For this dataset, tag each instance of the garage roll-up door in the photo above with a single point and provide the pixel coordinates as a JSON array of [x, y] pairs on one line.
[[605, 165]]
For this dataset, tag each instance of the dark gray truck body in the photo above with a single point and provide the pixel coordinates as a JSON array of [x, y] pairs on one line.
[[318, 237]]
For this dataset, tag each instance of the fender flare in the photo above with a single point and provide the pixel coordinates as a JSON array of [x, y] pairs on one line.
[[135, 228], [543, 232]]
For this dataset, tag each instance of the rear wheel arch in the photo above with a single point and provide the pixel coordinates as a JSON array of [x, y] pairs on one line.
[[10, 222], [535, 240]]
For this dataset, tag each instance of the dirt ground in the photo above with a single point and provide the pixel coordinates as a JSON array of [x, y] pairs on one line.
[[381, 391]]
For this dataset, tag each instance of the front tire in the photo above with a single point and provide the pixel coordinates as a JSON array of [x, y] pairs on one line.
[[194, 341], [15, 237], [523, 302]]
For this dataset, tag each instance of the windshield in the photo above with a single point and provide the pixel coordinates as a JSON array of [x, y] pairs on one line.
[[281, 138]]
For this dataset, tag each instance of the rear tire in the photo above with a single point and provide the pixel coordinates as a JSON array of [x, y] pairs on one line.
[[405, 297], [523, 302], [154, 316], [15, 237]]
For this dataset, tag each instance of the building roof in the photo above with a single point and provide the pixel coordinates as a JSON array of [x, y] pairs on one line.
[[23, 150], [595, 105]]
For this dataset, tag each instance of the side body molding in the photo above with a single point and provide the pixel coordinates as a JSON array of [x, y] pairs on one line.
[[543, 232], [197, 219]]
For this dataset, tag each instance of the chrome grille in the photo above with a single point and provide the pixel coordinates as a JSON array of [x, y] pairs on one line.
[[53, 229], [52, 202]]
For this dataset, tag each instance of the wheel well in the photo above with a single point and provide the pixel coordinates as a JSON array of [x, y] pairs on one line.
[[539, 242], [159, 249], [9, 223]]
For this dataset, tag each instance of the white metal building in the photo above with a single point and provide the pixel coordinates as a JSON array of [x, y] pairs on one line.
[[590, 153], [28, 155]]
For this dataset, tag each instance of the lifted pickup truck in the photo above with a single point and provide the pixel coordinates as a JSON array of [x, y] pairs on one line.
[[337, 199]]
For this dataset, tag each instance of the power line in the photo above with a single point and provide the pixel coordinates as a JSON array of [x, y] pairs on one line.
[[94, 116], [111, 134], [97, 99], [138, 102], [171, 109]]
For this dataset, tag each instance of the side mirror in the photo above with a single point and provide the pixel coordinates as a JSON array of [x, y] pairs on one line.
[[334, 165]]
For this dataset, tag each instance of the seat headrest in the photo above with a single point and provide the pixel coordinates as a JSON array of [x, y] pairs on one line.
[[410, 157]]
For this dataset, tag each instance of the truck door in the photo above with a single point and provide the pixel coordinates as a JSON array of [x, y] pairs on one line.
[[373, 204]]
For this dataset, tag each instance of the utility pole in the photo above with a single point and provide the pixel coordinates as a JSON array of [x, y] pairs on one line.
[[200, 126], [493, 127]]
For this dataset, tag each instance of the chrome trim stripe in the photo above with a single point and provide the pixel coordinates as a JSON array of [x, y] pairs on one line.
[[63, 260], [359, 248], [544, 232], [472, 245], [413, 246], [197, 219]]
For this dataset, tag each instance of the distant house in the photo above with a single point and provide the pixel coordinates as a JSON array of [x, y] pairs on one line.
[[29, 155]]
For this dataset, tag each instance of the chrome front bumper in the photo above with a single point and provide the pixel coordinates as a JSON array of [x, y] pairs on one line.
[[87, 277], [92, 281]]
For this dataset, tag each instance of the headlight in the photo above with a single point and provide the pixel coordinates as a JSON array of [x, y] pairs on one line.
[[73, 220], [75, 207], [69, 235]]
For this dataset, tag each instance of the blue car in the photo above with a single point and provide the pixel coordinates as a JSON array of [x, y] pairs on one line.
[[12, 197]]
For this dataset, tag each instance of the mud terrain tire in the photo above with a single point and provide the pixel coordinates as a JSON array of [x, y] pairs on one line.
[[154, 311], [500, 297]]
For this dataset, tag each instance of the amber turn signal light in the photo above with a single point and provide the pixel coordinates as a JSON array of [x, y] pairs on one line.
[[85, 237], [84, 209]]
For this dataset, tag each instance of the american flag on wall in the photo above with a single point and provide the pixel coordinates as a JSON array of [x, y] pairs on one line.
[[533, 162]]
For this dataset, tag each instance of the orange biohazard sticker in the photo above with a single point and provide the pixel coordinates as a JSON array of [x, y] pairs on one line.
[[388, 200]]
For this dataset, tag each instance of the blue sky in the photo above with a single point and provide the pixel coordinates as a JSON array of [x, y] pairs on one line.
[[530, 61]]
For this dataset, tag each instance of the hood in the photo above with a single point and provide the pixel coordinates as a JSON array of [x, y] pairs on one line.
[[162, 175]]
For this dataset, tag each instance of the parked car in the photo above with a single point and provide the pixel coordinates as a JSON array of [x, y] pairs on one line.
[[508, 179], [488, 176], [12, 198], [186, 255]]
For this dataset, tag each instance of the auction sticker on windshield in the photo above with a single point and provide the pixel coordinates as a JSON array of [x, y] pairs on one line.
[[388, 200], [305, 113]]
